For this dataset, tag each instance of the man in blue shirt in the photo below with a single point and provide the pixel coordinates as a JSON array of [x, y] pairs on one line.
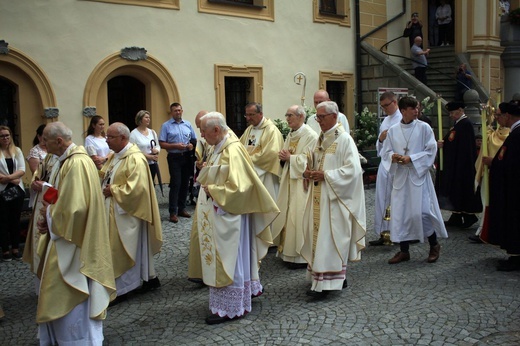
[[178, 138]]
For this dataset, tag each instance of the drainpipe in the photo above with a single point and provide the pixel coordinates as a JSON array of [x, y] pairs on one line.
[[360, 38]]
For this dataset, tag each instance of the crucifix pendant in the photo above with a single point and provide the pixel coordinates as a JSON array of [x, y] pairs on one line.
[[406, 150]]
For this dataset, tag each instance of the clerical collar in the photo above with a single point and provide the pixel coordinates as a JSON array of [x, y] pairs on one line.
[[463, 116], [402, 122], [122, 151], [66, 153], [259, 124], [299, 130], [219, 144]]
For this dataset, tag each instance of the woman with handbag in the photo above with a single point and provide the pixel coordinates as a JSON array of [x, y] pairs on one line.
[[12, 194], [146, 140]]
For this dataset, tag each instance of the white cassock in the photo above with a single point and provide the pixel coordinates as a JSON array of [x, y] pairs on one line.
[[384, 178], [292, 196], [415, 209], [335, 220]]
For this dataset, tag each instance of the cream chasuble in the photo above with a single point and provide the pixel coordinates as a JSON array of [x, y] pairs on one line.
[[236, 190], [131, 210], [77, 262], [292, 196], [335, 221]]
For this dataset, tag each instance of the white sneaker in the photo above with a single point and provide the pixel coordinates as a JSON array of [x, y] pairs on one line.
[[448, 44], [442, 44]]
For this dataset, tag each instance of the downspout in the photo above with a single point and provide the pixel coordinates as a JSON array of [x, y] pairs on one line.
[[360, 38]]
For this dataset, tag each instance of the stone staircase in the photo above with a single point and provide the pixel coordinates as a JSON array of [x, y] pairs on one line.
[[442, 65]]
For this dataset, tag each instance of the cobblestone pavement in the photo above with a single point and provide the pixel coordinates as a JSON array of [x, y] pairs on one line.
[[460, 300]]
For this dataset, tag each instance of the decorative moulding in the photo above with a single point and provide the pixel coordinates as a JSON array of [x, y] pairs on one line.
[[89, 111], [51, 112], [4, 49], [133, 53]]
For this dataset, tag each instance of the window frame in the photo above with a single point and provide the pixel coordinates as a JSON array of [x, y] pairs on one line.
[[341, 18], [167, 4], [261, 10]]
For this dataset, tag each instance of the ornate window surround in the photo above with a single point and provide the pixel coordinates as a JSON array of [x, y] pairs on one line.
[[348, 99], [262, 9], [342, 18], [245, 71], [168, 4]]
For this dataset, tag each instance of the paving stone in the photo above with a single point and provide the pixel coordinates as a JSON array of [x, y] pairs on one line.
[[459, 300]]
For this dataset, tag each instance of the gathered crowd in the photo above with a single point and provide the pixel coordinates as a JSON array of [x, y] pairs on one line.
[[96, 227]]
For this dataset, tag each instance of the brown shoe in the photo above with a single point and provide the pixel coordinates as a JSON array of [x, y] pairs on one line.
[[434, 253], [173, 218], [183, 213], [399, 257]]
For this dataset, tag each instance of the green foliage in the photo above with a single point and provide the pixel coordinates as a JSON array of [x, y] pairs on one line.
[[427, 105], [514, 16], [283, 127], [309, 111], [367, 130]]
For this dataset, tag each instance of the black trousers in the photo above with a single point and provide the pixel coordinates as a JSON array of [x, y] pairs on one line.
[[420, 74], [10, 223], [181, 169]]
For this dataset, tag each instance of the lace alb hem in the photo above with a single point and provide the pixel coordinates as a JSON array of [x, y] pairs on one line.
[[233, 301]]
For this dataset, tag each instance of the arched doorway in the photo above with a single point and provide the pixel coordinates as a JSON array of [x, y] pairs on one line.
[[8, 102], [25, 95], [150, 84], [126, 97]]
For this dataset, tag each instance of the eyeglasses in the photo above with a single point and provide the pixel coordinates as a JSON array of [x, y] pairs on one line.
[[322, 116], [248, 115], [5, 136], [496, 115], [288, 115], [388, 104]]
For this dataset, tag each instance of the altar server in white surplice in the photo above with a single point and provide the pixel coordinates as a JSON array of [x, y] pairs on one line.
[[292, 195], [335, 220], [388, 102], [408, 153]]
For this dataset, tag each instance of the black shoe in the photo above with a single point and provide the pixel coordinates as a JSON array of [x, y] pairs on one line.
[[454, 220], [469, 220], [316, 294], [293, 266], [345, 285], [475, 239], [379, 242], [272, 249], [509, 265], [149, 285], [196, 281], [216, 319], [119, 299]]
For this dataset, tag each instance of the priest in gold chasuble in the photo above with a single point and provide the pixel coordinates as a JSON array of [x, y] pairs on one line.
[[233, 211], [77, 277], [132, 212]]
